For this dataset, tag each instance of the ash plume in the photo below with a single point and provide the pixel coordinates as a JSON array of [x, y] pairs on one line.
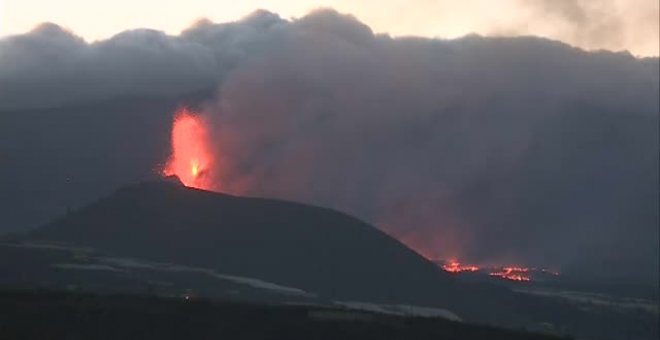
[[600, 24], [522, 150]]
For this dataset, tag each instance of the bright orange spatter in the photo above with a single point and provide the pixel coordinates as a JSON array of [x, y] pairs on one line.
[[191, 159]]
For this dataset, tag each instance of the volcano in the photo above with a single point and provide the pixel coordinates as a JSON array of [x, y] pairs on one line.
[[188, 236], [316, 249]]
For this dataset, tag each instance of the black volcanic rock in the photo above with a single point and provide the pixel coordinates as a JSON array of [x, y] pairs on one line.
[[319, 250]]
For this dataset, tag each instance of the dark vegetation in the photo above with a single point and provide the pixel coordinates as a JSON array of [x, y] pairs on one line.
[[46, 315]]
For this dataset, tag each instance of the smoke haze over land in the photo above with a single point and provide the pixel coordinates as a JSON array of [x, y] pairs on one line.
[[492, 150]]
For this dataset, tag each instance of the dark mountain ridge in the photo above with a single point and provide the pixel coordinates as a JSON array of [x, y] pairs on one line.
[[320, 250], [331, 256]]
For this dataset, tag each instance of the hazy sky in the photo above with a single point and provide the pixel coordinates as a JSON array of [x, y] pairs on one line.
[[592, 24]]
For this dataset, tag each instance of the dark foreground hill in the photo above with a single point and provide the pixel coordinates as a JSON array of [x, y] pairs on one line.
[[160, 238], [49, 315], [319, 250]]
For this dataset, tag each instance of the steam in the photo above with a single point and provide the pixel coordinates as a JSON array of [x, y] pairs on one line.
[[516, 150]]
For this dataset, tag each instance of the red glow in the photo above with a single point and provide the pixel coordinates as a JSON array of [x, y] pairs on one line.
[[454, 266], [191, 159], [512, 273]]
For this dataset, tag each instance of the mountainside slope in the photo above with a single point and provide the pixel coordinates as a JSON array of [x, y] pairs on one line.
[[317, 249], [198, 238]]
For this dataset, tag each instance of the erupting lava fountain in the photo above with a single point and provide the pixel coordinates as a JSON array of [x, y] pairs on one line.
[[191, 159]]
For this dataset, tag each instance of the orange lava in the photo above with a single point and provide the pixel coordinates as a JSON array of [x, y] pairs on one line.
[[191, 159], [513, 273], [454, 266]]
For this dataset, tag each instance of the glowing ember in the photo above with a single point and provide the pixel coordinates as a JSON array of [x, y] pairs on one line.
[[191, 158], [194, 167], [512, 273], [454, 266]]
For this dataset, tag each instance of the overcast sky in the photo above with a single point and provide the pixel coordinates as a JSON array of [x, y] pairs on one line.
[[592, 24]]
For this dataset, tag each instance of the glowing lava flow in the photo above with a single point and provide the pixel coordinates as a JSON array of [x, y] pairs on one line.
[[191, 158], [454, 266], [513, 273]]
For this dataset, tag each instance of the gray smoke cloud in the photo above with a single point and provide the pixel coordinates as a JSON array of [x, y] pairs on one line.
[[603, 24], [489, 149]]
